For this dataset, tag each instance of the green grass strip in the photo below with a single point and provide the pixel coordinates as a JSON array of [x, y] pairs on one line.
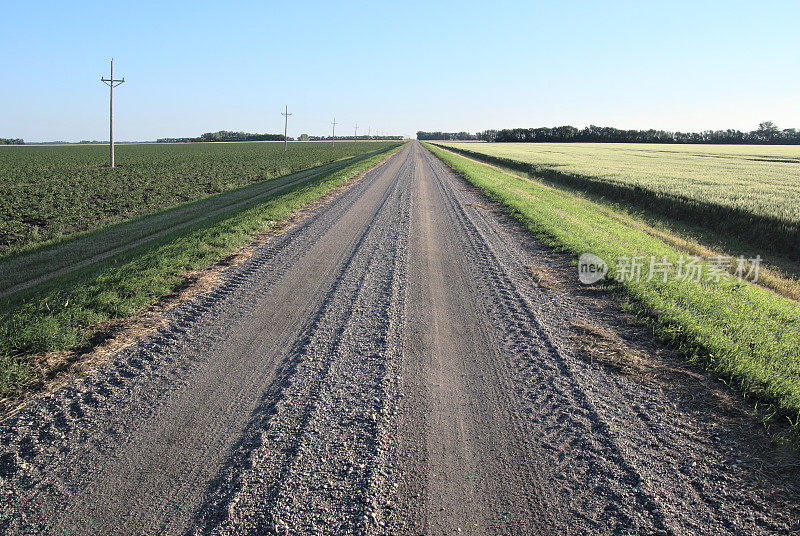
[[745, 333], [60, 314]]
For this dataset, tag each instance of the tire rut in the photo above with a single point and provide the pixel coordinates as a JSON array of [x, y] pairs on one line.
[[550, 386], [309, 453]]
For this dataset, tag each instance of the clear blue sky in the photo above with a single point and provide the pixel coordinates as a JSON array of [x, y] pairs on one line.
[[400, 67]]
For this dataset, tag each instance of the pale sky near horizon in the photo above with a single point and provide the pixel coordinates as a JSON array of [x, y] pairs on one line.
[[194, 67]]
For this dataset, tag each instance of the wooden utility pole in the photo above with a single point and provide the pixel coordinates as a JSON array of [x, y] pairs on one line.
[[286, 115], [333, 136], [355, 133], [111, 83]]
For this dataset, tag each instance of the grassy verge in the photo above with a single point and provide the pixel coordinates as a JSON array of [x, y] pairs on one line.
[[743, 332], [63, 313]]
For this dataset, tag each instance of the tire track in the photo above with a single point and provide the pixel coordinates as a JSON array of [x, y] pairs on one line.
[[307, 456], [563, 409]]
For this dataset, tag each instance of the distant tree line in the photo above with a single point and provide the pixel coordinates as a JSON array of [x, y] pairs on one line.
[[12, 141], [226, 135], [766, 133], [452, 136]]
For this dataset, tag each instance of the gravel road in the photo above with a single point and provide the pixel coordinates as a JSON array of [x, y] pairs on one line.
[[404, 360]]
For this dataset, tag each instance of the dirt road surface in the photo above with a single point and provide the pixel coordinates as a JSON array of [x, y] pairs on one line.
[[405, 360]]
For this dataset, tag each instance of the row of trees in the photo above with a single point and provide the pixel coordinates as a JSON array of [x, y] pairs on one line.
[[12, 141], [226, 135], [451, 136], [766, 133]]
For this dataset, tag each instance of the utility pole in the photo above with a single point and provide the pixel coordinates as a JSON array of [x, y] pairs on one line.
[[333, 136], [286, 115], [369, 130], [111, 83], [355, 134]]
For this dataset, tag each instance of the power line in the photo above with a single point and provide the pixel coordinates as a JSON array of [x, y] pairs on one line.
[[286, 115], [333, 136], [111, 83]]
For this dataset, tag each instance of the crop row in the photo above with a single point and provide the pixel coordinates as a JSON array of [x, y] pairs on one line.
[[749, 192], [50, 192]]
